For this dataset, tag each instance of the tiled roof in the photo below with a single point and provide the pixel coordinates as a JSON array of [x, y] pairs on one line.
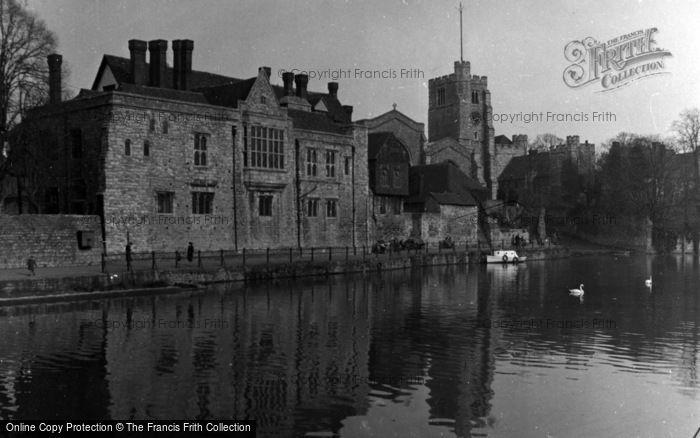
[[446, 176], [315, 122], [121, 69], [445, 183], [228, 91], [229, 94], [164, 93]]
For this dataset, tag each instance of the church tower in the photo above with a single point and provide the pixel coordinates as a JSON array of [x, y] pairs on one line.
[[459, 108]]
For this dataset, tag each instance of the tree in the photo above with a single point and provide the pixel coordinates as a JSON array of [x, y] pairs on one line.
[[545, 142], [25, 42], [687, 130], [639, 181]]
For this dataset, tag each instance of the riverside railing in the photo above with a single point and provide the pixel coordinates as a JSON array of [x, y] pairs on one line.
[[229, 259]]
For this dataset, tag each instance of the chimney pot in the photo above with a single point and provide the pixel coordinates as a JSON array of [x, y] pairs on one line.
[[333, 89], [54, 61]]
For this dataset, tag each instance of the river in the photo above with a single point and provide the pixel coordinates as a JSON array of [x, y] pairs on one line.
[[497, 351]]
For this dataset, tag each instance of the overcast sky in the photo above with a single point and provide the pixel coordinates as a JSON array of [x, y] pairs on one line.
[[519, 45]]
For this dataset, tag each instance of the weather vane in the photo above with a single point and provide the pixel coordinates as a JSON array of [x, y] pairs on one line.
[[461, 47]]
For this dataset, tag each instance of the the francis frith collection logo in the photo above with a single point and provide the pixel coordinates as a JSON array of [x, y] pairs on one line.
[[614, 63]]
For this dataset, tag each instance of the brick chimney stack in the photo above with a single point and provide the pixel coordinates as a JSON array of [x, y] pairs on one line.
[[157, 51], [54, 61], [333, 89], [288, 80], [177, 63], [186, 64], [301, 82], [137, 48], [182, 64]]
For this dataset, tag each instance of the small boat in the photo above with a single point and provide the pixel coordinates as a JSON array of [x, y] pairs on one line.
[[505, 256]]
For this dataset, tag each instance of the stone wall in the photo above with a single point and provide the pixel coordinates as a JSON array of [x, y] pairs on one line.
[[52, 240], [505, 152], [460, 223], [504, 236], [391, 226]]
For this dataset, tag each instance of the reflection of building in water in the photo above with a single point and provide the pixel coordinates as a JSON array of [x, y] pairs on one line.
[[437, 330], [46, 356], [504, 277], [273, 357]]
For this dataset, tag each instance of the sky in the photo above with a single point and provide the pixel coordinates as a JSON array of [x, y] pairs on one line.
[[518, 45]]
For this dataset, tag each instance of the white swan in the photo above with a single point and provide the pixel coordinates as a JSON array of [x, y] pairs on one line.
[[647, 282], [577, 292]]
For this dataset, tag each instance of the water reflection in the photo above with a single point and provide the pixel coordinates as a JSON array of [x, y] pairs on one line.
[[488, 350]]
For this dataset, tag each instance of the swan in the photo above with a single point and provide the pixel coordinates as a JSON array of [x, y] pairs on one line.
[[647, 282], [577, 292]]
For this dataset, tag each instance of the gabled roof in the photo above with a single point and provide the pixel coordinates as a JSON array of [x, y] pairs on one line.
[[390, 115], [502, 139], [230, 94], [435, 147], [518, 168], [121, 69], [446, 184]]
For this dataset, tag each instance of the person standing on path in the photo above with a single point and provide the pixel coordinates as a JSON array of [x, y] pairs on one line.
[[31, 265], [190, 252], [128, 256]]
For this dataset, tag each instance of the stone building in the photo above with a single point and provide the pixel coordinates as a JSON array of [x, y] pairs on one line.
[[538, 177], [167, 155], [444, 202]]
